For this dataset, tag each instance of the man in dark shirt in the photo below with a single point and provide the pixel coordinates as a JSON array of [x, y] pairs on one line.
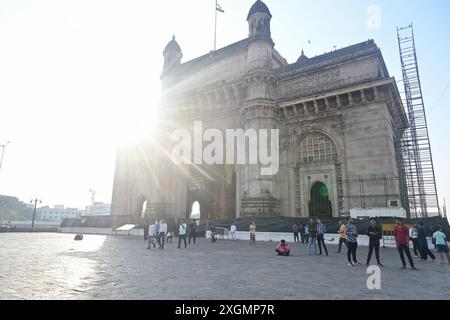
[[423, 243], [321, 230], [302, 232], [375, 234], [192, 231]]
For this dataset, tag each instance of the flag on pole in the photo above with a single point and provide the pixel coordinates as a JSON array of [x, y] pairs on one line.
[[219, 8]]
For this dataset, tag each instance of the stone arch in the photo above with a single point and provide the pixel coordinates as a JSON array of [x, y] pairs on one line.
[[320, 205], [140, 210], [328, 170], [195, 213]]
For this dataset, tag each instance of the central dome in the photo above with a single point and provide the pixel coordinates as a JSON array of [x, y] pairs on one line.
[[259, 6]]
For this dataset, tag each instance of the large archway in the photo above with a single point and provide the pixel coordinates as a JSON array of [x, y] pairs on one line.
[[214, 188], [195, 211], [320, 204]]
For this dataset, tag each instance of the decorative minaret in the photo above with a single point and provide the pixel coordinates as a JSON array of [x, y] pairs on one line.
[[258, 193], [172, 55], [259, 20]]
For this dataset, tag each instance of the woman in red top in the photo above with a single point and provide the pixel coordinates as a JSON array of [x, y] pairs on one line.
[[401, 233], [283, 249]]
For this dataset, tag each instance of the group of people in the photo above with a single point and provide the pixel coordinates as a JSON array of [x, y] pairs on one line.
[[348, 236], [314, 235], [234, 233], [158, 233]]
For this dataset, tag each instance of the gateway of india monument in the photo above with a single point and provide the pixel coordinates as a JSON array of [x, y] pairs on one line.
[[339, 117]]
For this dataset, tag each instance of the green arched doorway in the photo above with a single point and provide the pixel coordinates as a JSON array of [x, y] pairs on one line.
[[320, 204]]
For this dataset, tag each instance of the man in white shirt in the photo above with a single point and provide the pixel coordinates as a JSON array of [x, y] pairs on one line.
[[182, 233], [162, 234], [413, 235], [233, 231], [151, 236]]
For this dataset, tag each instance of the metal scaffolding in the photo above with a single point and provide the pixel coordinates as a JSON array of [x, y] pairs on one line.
[[420, 197]]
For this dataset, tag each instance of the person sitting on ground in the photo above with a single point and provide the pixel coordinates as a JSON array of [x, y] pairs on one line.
[[169, 237], [283, 249]]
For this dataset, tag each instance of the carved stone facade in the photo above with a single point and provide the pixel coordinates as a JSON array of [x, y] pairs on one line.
[[337, 115]]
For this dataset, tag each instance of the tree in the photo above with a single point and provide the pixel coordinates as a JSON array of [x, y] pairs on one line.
[[12, 209]]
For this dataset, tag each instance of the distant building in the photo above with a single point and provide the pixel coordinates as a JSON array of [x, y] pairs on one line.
[[98, 209], [57, 214]]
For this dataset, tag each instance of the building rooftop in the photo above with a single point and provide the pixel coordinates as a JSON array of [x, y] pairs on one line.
[[333, 57]]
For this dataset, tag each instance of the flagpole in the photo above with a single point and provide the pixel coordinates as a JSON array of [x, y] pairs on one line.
[[215, 27]]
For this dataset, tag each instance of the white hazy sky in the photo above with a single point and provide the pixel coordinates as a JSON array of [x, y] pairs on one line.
[[79, 77]]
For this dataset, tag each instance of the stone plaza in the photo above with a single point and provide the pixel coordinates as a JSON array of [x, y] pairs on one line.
[[54, 266]]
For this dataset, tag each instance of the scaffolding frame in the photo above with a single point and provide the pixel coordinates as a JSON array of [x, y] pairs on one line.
[[416, 168]]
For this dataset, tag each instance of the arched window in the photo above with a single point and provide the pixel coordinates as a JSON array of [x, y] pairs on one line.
[[316, 147], [197, 182]]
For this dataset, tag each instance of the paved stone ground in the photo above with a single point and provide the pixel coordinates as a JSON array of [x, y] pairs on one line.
[[54, 266]]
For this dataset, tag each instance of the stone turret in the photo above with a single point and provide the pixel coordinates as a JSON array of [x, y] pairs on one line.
[[172, 55], [259, 195], [259, 20]]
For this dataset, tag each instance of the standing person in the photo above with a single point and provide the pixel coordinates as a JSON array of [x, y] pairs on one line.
[[321, 230], [441, 244], [157, 225], [182, 230], [302, 232], [252, 233], [162, 234], [351, 233], [423, 244], [192, 231], [146, 226], [312, 230], [306, 228], [296, 230], [151, 236], [213, 234], [283, 249], [233, 231], [433, 230], [413, 236], [342, 237], [401, 234], [375, 234]]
